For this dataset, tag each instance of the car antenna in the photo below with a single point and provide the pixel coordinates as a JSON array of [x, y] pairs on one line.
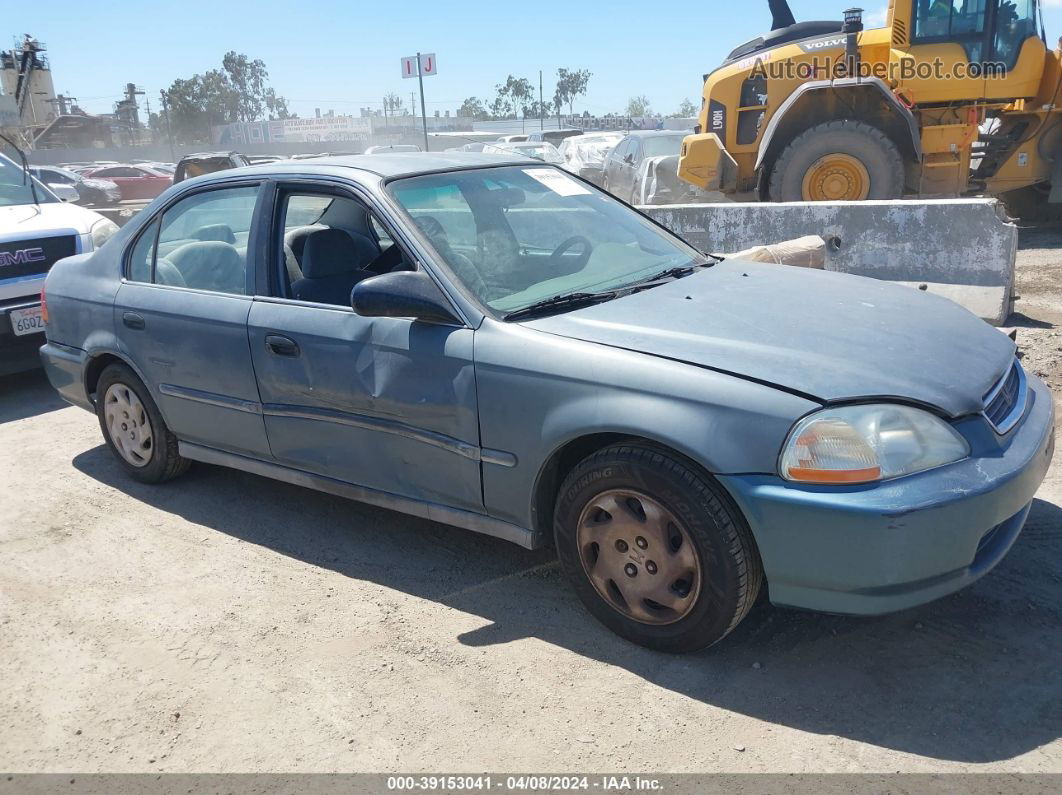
[[25, 170]]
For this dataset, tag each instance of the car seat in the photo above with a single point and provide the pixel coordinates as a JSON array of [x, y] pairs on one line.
[[333, 261]]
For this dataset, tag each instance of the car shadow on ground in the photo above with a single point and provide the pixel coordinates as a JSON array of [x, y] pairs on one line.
[[1043, 235], [970, 678], [1021, 320], [27, 394]]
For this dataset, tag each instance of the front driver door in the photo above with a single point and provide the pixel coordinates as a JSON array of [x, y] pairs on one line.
[[385, 403]]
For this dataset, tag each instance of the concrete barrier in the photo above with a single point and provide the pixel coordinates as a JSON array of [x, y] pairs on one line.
[[963, 249]]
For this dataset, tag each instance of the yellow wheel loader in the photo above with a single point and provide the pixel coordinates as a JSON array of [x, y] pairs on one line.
[[950, 98]]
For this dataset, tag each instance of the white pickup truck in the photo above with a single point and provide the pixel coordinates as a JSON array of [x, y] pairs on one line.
[[36, 230]]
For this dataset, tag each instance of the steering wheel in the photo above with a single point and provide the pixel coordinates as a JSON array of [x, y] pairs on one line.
[[574, 240]]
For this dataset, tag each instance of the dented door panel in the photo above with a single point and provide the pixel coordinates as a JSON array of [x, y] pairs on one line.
[[386, 403]]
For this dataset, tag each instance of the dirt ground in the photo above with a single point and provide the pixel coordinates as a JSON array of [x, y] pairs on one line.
[[225, 622]]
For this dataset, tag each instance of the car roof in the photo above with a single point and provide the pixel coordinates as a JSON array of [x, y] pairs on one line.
[[655, 133], [195, 156], [389, 164]]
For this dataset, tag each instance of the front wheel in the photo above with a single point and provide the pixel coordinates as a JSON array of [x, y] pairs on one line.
[[655, 549], [838, 161]]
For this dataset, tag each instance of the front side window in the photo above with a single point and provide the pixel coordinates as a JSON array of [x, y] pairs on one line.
[[119, 171], [331, 243], [949, 18], [201, 243], [1015, 22], [519, 235]]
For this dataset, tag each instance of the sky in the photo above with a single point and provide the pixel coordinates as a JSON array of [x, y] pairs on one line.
[[345, 55]]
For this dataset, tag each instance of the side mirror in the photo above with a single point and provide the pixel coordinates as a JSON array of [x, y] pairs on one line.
[[628, 159], [402, 294]]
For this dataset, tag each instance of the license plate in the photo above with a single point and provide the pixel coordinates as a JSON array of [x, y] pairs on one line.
[[27, 321]]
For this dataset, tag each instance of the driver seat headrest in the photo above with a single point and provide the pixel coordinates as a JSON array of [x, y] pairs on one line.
[[330, 252]]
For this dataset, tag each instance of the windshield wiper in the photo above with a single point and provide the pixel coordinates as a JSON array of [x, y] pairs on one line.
[[561, 302], [25, 169], [667, 275]]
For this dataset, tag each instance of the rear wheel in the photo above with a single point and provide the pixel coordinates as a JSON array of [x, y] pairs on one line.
[[134, 429], [838, 161], [655, 549]]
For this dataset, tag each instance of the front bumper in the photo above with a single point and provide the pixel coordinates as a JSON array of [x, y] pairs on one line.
[[876, 549]]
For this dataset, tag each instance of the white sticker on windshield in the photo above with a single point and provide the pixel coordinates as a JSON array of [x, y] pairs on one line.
[[557, 181]]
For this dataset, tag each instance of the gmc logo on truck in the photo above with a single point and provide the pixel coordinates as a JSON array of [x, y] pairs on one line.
[[22, 256]]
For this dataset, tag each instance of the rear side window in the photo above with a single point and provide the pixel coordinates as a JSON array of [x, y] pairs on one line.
[[201, 243], [120, 171], [140, 259]]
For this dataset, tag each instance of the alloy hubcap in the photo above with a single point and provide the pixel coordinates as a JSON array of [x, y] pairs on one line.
[[638, 557], [836, 177], [128, 425]]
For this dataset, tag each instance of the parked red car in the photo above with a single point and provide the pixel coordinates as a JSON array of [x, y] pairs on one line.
[[135, 182]]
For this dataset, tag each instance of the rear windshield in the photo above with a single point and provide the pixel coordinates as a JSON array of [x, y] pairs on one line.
[[661, 145]]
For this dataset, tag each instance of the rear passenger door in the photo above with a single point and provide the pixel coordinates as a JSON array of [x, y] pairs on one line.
[[181, 316]]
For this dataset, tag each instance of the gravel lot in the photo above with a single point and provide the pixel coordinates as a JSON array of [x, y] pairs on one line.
[[225, 622]]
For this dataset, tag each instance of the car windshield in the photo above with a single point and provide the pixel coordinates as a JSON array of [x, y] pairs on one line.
[[661, 145], [15, 186], [516, 236]]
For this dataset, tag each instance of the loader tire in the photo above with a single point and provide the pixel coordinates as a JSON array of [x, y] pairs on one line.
[[838, 161]]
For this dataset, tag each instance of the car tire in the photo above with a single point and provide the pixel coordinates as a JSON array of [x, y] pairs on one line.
[[838, 161], [134, 429], [672, 533]]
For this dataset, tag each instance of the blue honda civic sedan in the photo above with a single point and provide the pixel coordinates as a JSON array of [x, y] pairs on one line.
[[498, 345]]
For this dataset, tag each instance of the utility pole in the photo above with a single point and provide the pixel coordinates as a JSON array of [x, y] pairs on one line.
[[169, 128], [423, 112], [541, 110]]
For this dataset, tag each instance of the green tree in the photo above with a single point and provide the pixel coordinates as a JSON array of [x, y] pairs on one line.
[[571, 84], [472, 108], [393, 104], [534, 111], [686, 110], [512, 97], [236, 92], [638, 106], [521, 92]]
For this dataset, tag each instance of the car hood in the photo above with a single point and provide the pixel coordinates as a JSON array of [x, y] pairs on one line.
[[829, 336], [22, 219]]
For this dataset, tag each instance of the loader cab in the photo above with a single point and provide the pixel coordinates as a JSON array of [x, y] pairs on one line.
[[999, 39]]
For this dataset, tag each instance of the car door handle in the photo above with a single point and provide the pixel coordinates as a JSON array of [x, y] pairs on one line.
[[133, 320], [281, 346]]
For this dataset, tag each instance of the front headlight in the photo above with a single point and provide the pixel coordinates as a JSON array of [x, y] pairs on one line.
[[862, 444], [102, 231]]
